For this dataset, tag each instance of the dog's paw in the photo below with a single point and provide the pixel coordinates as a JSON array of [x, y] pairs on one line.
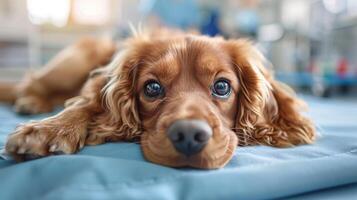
[[32, 105], [43, 138]]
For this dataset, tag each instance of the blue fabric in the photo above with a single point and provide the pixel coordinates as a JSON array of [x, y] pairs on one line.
[[325, 170]]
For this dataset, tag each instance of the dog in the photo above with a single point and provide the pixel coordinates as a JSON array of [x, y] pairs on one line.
[[189, 99]]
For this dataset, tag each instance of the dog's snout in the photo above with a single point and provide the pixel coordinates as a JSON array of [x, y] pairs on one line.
[[189, 136]]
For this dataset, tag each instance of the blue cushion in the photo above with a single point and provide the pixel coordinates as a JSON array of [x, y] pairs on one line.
[[327, 168]]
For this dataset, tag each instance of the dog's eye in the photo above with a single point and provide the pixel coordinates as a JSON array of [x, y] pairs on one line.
[[153, 89], [221, 88]]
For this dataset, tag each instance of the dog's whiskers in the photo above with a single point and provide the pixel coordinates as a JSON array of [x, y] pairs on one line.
[[247, 139]]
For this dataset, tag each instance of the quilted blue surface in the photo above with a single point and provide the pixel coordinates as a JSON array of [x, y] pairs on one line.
[[325, 170]]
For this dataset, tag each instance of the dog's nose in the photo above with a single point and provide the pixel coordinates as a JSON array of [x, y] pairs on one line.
[[189, 136]]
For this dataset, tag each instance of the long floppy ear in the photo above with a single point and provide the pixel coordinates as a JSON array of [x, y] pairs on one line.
[[119, 94], [268, 111], [120, 121]]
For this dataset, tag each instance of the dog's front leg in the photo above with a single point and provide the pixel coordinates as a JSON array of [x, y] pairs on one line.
[[65, 132]]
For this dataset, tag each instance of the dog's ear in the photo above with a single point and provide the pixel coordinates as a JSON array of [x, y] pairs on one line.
[[267, 111], [119, 94]]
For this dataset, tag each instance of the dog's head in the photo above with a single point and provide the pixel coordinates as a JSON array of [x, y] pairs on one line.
[[189, 98]]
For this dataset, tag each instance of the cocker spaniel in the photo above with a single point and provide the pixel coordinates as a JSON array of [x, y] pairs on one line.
[[189, 99]]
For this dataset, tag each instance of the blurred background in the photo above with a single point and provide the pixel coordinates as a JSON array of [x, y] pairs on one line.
[[312, 44]]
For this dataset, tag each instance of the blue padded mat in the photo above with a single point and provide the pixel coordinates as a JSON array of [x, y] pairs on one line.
[[324, 170]]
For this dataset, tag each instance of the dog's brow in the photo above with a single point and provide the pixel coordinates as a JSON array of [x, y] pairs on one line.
[[166, 68], [209, 65]]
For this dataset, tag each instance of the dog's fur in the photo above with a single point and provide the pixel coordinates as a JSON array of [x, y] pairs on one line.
[[112, 107], [61, 79]]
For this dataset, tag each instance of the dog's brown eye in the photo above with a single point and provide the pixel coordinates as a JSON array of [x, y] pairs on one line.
[[221, 88], [153, 89]]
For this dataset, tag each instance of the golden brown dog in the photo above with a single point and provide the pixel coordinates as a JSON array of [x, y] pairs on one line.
[[189, 99]]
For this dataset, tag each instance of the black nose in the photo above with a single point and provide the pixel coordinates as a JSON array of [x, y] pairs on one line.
[[189, 136]]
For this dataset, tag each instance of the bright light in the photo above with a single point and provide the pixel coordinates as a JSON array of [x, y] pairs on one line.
[[91, 12], [55, 12], [295, 13], [334, 6]]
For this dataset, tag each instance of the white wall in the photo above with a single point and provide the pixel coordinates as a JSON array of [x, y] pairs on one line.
[[14, 22]]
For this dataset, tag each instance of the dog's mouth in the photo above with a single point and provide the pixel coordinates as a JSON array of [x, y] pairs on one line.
[[215, 154]]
